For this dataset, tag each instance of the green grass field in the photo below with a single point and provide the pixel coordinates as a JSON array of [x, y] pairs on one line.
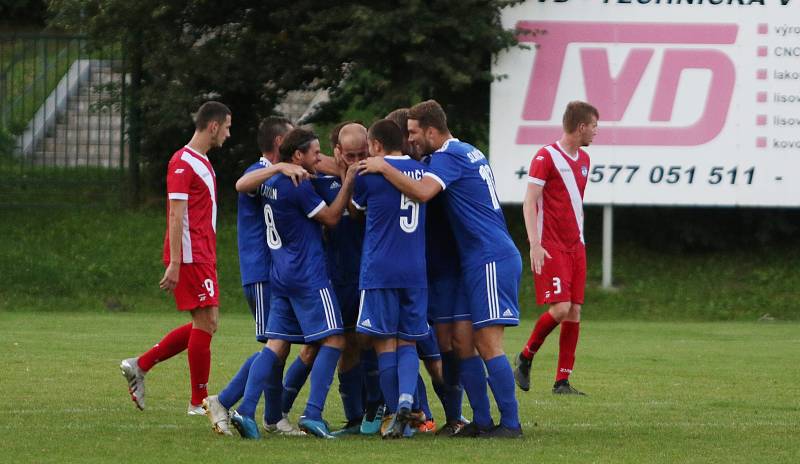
[[79, 293], [659, 392]]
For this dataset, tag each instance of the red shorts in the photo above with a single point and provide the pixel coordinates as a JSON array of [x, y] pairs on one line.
[[563, 277], [197, 286]]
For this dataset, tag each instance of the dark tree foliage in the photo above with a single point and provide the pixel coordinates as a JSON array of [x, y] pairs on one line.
[[22, 12], [374, 55]]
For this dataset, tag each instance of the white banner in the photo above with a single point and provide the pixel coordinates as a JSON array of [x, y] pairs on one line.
[[699, 100]]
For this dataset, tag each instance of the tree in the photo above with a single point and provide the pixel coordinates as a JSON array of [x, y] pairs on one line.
[[374, 55]]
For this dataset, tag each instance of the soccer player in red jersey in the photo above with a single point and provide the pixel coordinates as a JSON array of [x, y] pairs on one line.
[[190, 258], [553, 210]]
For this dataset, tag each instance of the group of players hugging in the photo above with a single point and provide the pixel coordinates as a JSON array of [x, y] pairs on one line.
[[393, 251]]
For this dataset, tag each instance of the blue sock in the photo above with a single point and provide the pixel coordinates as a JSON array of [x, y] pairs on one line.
[[260, 371], [422, 398], [234, 391], [452, 395], [372, 384], [473, 378], [321, 378], [407, 373], [501, 380], [273, 395], [293, 381], [388, 376], [350, 388]]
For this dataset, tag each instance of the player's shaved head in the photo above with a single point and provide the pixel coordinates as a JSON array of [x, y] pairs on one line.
[[353, 136]]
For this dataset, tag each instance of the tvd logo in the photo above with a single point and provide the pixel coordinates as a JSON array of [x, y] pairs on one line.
[[612, 94]]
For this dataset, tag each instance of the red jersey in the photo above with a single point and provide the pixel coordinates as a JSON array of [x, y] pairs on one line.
[[560, 208], [190, 177]]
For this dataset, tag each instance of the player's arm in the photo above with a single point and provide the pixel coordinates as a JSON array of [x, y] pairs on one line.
[[328, 165], [331, 214], [418, 190], [177, 209], [253, 179], [530, 213]]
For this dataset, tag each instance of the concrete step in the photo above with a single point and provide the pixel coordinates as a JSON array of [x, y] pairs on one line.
[[69, 135], [88, 121], [93, 104], [52, 159], [79, 149]]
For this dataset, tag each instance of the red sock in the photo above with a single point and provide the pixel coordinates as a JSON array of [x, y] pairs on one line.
[[172, 344], [541, 330], [199, 364], [566, 350]]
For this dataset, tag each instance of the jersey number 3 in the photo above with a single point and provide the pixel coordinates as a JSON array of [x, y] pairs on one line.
[[409, 224], [273, 239]]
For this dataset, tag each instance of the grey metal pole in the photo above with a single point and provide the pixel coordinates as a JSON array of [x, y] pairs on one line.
[[608, 244]]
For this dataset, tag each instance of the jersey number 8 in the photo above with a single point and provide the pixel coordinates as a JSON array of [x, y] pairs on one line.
[[409, 224], [273, 239]]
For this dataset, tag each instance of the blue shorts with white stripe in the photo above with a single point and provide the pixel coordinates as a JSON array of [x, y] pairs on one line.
[[257, 296], [304, 317], [493, 292]]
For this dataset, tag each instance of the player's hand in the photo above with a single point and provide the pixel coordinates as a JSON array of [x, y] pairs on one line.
[[372, 165], [294, 172], [538, 254], [351, 173], [170, 279]]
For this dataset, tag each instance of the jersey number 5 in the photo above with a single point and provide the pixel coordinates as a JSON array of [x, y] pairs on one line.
[[273, 239], [409, 224]]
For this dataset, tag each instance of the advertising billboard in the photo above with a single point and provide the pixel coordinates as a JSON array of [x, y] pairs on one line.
[[699, 100]]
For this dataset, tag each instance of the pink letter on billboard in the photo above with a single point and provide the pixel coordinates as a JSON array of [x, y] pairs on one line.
[[612, 96]]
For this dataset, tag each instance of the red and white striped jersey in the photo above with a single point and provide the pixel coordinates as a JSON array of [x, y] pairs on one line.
[[560, 207], [190, 177]]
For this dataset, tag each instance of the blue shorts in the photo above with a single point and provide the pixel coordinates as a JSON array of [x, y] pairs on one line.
[[257, 296], [493, 292], [428, 347], [394, 312], [447, 301], [304, 317], [348, 303]]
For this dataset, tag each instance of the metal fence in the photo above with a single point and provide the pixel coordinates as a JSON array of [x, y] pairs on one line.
[[62, 112]]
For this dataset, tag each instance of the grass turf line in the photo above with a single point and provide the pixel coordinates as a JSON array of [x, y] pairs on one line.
[[659, 392], [96, 259]]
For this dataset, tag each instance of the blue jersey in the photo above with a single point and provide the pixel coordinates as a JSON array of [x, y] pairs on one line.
[[293, 236], [344, 241], [477, 221], [254, 259], [440, 244], [394, 243]]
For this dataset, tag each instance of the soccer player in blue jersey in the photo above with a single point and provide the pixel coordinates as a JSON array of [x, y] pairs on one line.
[[254, 266], [343, 250], [343, 244], [303, 306], [446, 302], [393, 285], [491, 265]]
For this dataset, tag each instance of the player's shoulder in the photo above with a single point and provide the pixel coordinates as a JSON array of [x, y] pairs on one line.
[[261, 163], [544, 154]]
